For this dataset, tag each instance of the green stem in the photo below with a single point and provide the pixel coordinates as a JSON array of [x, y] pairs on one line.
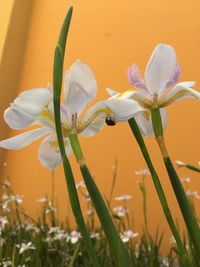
[[136, 131], [117, 247], [193, 168], [57, 84], [184, 205]]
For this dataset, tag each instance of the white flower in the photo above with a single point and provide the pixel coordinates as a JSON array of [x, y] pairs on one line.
[[6, 263], [172, 240], [156, 90], [3, 221], [89, 212], [6, 183], [186, 180], [180, 163], [120, 211], [2, 241], [192, 194], [123, 197], [74, 237], [80, 184], [25, 246], [95, 235], [43, 200], [143, 173], [127, 235], [36, 107]]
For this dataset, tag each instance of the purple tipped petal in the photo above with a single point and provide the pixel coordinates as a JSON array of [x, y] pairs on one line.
[[174, 78], [135, 79]]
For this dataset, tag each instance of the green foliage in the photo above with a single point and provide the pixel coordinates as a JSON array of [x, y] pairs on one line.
[[25, 242]]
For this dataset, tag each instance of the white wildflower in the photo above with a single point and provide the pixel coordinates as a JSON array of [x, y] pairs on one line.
[[127, 235], [123, 197], [80, 184], [186, 180], [143, 172], [120, 211], [192, 194], [3, 221], [74, 237], [25, 246], [180, 163]]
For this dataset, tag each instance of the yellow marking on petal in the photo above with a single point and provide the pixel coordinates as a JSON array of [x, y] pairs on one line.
[[163, 102], [146, 115], [124, 92], [54, 145], [47, 115]]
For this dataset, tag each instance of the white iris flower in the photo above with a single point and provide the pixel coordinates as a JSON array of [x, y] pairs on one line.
[[35, 107], [157, 90]]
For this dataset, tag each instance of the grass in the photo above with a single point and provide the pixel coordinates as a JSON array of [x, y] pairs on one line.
[[49, 242]]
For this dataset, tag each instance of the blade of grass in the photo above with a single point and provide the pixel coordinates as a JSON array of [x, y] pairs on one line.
[[138, 136]]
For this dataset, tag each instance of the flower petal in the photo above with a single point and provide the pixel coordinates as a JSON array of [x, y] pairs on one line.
[[180, 91], [123, 109], [120, 108], [33, 101], [134, 78], [93, 128], [80, 88], [145, 122], [160, 68], [111, 92], [26, 107], [174, 78], [49, 154], [24, 139], [17, 118]]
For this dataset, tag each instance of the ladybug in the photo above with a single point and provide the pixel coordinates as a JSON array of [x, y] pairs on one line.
[[110, 121]]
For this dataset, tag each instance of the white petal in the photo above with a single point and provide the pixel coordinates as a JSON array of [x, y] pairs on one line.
[[24, 139], [17, 118], [160, 68], [49, 154], [80, 88], [111, 92], [93, 128], [123, 109], [26, 107], [145, 123], [120, 108], [33, 101], [179, 92]]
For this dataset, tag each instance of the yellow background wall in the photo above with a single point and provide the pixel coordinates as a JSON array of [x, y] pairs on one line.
[[109, 36]]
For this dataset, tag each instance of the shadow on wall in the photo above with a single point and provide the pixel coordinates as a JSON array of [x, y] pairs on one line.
[[12, 57]]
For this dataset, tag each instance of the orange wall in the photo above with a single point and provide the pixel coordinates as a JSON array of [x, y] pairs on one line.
[[109, 36]]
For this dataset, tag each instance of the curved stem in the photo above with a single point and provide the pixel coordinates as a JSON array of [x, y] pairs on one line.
[[136, 131]]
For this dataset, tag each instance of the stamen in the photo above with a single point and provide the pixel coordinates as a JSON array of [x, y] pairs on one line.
[[74, 121]]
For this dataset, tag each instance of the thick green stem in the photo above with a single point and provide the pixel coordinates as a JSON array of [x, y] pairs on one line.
[[117, 247], [136, 131], [184, 205], [157, 122], [57, 84]]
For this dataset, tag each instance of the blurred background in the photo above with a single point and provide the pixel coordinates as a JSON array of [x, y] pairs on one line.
[[108, 36]]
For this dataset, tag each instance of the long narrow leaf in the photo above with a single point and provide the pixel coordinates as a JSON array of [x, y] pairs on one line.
[[163, 200], [57, 85]]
